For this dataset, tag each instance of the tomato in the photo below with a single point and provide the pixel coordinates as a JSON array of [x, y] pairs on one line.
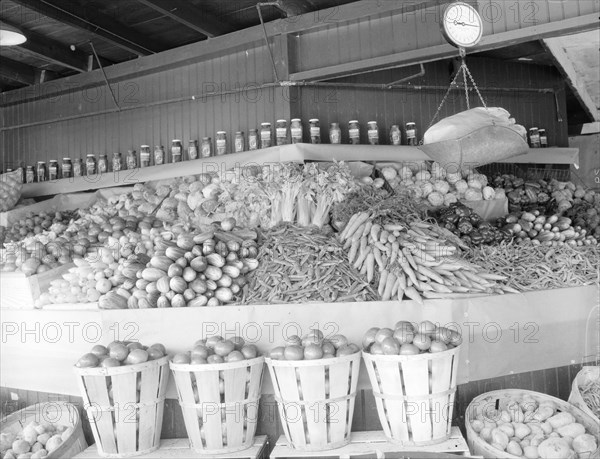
[[382, 334], [423, 342], [390, 346], [293, 352], [409, 349], [438, 346], [223, 348], [313, 352]]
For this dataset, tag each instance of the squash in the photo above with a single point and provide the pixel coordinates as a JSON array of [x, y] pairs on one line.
[[555, 448], [112, 300]]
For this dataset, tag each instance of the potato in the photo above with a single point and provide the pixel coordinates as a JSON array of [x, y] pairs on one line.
[[477, 425], [518, 416], [525, 442], [531, 452], [521, 430], [507, 429], [505, 416], [561, 419], [543, 412], [571, 430], [497, 446], [568, 439], [554, 448], [546, 428], [486, 434], [514, 448], [584, 445], [535, 428], [500, 438], [490, 424], [536, 440]]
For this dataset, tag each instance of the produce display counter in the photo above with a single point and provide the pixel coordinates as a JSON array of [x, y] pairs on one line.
[[545, 329], [296, 152]]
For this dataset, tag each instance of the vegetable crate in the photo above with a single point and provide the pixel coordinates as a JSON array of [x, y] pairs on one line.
[[125, 406], [56, 413], [220, 403], [316, 400], [487, 405], [414, 395]]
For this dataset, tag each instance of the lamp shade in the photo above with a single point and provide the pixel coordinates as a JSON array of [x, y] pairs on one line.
[[11, 36]]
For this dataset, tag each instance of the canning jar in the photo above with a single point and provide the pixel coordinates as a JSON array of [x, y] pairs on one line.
[[296, 130], [77, 168], [132, 161], [265, 135], [90, 164], [395, 135], [534, 138], [144, 155], [193, 149], [373, 133], [117, 162], [159, 155], [239, 142], [335, 133], [543, 138], [67, 168], [221, 142], [253, 139], [281, 132], [176, 151], [206, 147], [411, 133], [315, 131], [53, 170], [102, 164], [41, 171], [354, 132], [29, 175]]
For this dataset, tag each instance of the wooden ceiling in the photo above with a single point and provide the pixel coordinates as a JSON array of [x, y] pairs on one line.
[[60, 33]]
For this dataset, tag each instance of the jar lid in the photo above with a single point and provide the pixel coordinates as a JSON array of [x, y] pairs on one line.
[[205, 138], [144, 146], [282, 121], [176, 140], [53, 160], [41, 162], [66, 159], [542, 130], [353, 121], [334, 124], [238, 133], [295, 120], [265, 124], [221, 132], [395, 126], [158, 147], [371, 122], [90, 155], [29, 167], [252, 130], [117, 153], [313, 120], [410, 123], [104, 156], [531, 129]]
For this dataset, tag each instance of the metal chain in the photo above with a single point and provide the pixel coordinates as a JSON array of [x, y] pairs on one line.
[[444, 99], [474, 84], [464, 69]]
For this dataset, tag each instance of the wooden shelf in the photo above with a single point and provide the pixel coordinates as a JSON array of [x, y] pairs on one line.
[[298, 152]]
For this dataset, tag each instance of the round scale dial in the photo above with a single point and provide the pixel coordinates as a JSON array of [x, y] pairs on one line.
[[462, 25]]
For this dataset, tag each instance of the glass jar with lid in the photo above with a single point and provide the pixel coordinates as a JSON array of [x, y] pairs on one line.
[[411, 134], [239, 142], [543, 138], [534, 137], [117, 162], [41, 171], [206, 147], [315, 131], [176, 151], [132, 160], [354, 132], [395, 135], [281, 132], [221, 142], [296, 130], [29, 174], [265, 135], [144, 155], [335, 134], [159, 155], [67, 168], [90, 164], [253, 140], [103, 164], [77, 167], [373, 133], [193, 149], [53, 170]]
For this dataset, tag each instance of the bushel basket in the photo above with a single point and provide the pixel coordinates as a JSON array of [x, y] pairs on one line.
[[585, 375], [125, 406], [414, 395], [316, 400], [220, 403]]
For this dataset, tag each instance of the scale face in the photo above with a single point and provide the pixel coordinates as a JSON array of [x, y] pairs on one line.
[[462, 25]]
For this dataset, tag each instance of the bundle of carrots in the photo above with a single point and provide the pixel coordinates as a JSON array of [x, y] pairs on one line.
[[416, 259]]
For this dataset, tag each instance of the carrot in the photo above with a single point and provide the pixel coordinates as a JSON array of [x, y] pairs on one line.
[[383, 236], [361, 219], [409, 258], [378, 259], [421, 255], [363, 244], [382, 280], [407, 269], [395, 287], [391, 228], [389, 285], [370, 262], [458, 288], [412, 293], [402, 281], [425, 287], [375, 229], [431, 274], [350, 223], [353, 251], [362, 257], [475, 278], [395, 249], [439, 288], [489, 276], [400, 294]]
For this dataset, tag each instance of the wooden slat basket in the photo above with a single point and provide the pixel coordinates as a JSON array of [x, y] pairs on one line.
[[487, 404], [316, 400], [585, 375], [414, 395], [125, 406], [220, 403], [55, 413]]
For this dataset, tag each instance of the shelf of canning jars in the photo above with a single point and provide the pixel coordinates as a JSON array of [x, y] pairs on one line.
[[297, 152]]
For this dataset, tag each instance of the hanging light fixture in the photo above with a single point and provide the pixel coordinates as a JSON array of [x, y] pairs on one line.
[[11, 36]]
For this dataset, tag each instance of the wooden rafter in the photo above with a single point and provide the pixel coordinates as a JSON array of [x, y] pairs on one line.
[[98, 24], [17, 72], [188, 15], [294, 7]]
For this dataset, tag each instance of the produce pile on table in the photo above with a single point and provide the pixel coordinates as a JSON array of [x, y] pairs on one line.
[[310, 233], [35, 441]]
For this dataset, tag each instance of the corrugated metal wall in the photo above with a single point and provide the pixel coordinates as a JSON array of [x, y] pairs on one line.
[[95, 127], [399, 106]]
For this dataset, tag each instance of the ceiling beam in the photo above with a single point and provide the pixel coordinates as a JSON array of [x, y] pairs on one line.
[[16, 71], [566, 68], [51, 51], [445, 51], [98, 24], [294, 7], [188, 15]]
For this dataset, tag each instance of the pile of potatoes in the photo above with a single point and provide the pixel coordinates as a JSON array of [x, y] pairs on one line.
[[36, 440], [535, 429]]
